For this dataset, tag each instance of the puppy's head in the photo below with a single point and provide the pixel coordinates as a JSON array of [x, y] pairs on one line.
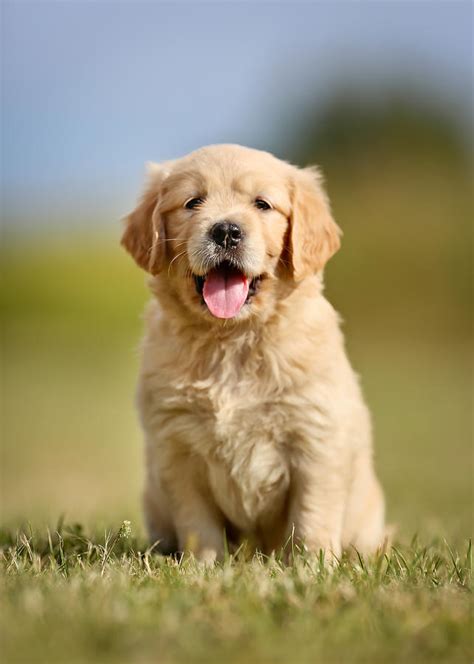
[[224, 226]]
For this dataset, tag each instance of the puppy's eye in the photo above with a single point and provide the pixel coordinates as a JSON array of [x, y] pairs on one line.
[[262, 204], [193, 203]]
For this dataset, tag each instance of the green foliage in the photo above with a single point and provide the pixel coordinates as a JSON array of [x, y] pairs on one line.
[[400, 181], [358, 126]]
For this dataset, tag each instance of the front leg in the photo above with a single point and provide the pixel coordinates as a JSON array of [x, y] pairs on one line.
[[317, 502], [199, 524]]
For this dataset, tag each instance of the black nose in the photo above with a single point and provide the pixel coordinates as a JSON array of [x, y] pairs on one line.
[[226, 235]]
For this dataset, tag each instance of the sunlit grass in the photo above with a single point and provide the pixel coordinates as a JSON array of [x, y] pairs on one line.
[[71, 328], [69, 596], [72, 446]]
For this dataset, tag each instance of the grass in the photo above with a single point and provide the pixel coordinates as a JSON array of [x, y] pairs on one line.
[[72, 597], [71, 445], [70, 330]]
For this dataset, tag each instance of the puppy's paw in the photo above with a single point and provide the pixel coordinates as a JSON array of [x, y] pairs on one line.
[[207, 556]]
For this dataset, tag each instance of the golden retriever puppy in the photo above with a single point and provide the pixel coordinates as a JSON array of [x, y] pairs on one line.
[[253, 418]]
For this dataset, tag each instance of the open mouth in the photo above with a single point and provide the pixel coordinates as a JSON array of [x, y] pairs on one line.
[[226, 289]]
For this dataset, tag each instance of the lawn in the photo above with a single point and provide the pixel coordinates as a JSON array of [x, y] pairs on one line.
[[71, 598], [71, 454]]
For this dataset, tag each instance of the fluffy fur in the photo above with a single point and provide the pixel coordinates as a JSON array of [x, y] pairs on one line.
[[254, 425]]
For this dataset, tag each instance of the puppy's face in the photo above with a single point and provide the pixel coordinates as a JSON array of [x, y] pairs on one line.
[[226, 225]]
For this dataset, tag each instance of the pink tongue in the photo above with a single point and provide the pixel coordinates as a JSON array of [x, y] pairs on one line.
[[225, 294]]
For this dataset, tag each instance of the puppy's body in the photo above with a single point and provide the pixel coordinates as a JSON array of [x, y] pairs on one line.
[[254, 424]]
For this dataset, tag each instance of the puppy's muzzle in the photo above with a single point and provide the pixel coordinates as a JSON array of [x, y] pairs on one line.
[[226, 234]]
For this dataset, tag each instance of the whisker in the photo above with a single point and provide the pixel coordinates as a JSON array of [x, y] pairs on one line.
[[174, 259], [155, 244], [201, 256]]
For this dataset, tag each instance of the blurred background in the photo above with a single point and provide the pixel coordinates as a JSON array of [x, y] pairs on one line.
[[378, 94]]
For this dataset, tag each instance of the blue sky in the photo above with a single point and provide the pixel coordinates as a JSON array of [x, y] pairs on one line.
[[91, 90]]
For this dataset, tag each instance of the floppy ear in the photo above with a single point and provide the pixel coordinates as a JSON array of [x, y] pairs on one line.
[[314, 235], [144, 237]]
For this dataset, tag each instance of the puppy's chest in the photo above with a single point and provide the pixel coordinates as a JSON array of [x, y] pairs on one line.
[[243, 431]]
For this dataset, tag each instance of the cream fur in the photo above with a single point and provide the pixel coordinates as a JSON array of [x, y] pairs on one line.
[[254, 424]]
